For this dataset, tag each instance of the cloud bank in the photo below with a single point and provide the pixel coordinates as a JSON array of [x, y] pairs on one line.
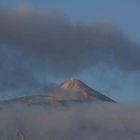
[[35, 43], [51, 36], [78, 122]]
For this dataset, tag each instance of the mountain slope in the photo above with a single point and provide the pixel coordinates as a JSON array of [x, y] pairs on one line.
[[71, 90], [74, 89]]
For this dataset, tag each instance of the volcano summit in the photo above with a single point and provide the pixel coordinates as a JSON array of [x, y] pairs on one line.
[[76, 90]]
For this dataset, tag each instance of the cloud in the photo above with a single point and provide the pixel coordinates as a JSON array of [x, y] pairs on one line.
[[19, 75], [43, 45], [77, 122], [65, 45]]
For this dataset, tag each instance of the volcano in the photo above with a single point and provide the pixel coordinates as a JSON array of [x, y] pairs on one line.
[[71, 90], [76, 90]]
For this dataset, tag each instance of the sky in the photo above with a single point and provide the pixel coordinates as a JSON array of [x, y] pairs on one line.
[[125, 14], [116, 76]]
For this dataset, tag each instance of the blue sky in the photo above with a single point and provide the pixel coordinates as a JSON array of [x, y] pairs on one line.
[[123, 13]]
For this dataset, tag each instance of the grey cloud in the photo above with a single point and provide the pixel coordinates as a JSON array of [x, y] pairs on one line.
[[18, 75], [78, 122], [65, 45], [38, 46]]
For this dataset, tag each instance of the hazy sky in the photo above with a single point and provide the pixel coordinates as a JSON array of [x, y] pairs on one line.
[[123, 13], [120, 85]]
